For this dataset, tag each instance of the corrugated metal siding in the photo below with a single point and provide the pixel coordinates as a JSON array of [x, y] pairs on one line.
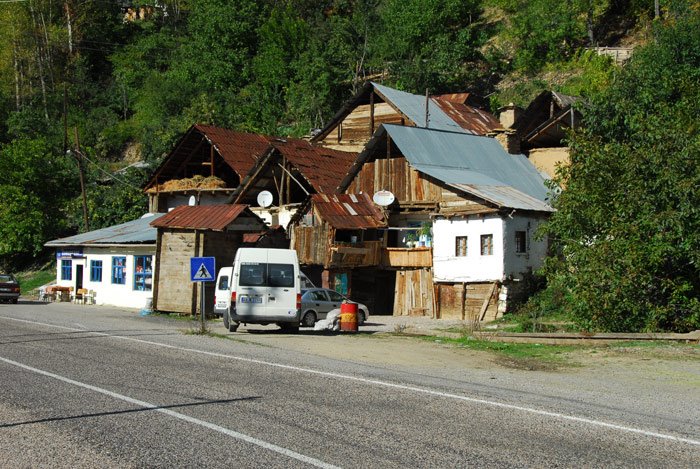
[[348, 211], [200, 217], [133, 232]]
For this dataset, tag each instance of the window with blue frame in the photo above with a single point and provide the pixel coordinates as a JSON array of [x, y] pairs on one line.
[[95, 271], [119, 270], [66, 269], [143, 274]]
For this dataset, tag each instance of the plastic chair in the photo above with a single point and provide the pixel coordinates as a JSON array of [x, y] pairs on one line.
[[89, 297]]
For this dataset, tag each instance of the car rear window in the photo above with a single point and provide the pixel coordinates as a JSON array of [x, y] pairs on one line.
[[7, 279]]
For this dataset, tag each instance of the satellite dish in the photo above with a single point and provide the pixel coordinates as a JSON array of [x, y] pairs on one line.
[[383, 198], [192, 201], [265, 199]]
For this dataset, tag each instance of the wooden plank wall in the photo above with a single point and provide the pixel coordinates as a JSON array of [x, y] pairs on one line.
[[414, 293], [355, 129], [311, 244], [397, 176], [470, 301], [175, 289], [362, 254]]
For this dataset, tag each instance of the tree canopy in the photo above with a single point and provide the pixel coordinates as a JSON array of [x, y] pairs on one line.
[[628, 223]]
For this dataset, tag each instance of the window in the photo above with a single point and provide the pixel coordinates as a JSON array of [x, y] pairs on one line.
[[66, 270], [252, 274], [95, 271], [461, 246], [335, 296], [487, 245], [520, 242], [143, 274], [223, 283], [119, 270], [259, 274]]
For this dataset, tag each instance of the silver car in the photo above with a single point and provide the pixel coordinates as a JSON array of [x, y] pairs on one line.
[[317, 302]]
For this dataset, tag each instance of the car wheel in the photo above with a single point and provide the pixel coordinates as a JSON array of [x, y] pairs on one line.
[[360, 317], [14, 301], [309, 319]]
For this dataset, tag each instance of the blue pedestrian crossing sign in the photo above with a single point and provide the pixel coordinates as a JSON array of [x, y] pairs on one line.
[[202, 269]]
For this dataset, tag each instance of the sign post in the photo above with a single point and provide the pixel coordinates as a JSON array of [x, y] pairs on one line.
[[202, 269]]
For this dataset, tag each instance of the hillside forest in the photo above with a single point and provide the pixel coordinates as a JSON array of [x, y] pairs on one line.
[[110, 85]]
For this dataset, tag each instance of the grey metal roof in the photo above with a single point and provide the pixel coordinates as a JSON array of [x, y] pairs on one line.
[[413, 106], [478, 165], [133, 232]]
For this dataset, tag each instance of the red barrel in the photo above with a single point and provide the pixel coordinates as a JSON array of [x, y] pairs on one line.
[[348, 317]]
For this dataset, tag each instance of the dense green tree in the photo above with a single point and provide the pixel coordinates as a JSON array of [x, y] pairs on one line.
[[628, 223], [34, 181], [429, 43]]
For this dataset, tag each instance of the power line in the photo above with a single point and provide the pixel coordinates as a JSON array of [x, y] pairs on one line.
[[108, 174]]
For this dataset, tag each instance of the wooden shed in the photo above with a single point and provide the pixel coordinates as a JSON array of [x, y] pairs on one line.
[[196, 231]]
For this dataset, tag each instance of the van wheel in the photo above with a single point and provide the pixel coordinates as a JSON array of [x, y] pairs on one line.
[[309, 319], [291, 328], [360, 317], [231, 326]]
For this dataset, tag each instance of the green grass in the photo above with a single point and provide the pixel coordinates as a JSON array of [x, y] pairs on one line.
[[33, 279], [546, 354]]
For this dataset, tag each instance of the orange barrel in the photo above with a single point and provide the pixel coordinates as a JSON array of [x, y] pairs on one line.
[[348, 317]]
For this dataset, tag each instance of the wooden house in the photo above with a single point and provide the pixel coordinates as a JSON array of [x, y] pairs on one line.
[[540, 130], [340, 239], [204, 167], [480, 203], [196, 231], [292, 170], [353, 126]]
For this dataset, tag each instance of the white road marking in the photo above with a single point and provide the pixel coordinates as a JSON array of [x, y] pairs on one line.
[[147, 405], [387, 384]]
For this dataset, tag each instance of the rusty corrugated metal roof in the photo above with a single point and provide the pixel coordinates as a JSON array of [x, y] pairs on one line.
[[348, 211], [203, 217], [472, 119], [239, 149], [323, 168]]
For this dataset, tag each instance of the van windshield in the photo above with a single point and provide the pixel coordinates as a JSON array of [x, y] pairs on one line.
[[254, 274]]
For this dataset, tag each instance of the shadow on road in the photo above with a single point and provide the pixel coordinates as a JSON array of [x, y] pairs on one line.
[[128, 411], [79, 335]]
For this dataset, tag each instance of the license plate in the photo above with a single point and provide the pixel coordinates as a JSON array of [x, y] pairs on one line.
[[251, 299]]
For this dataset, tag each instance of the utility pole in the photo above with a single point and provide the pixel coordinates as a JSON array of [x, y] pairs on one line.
[[79, 159]]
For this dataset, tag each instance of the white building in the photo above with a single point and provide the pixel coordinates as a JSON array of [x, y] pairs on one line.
[[116, 263]]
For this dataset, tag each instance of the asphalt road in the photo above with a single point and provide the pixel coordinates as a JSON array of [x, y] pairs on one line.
[[85, 386]]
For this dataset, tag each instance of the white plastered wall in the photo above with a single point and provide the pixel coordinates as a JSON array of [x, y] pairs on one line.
[[107, 293], [447, 267], [536, 250]]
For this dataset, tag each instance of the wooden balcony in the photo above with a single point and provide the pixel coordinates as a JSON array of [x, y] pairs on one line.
[[362, 254], [407, 257]]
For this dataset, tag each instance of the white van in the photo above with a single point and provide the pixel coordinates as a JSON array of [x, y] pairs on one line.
[[264, 288], [222, 293]]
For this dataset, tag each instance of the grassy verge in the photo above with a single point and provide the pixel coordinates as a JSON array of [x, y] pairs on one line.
[[31, 280], [520, 356]]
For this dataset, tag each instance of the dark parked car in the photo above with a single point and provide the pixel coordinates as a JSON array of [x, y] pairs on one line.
[[317, 302], [9, 288]]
